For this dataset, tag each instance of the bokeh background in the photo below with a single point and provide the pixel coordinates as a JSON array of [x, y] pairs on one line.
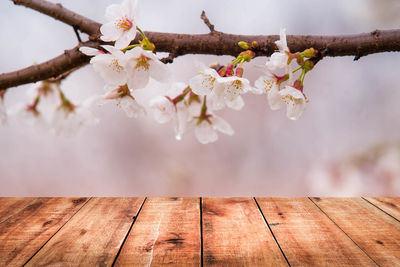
[[345, 144]]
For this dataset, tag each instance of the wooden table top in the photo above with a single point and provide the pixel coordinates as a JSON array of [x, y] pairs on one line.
[[200, 231]]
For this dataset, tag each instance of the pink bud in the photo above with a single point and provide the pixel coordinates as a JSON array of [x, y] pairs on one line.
[[229, 71], [239, 72]]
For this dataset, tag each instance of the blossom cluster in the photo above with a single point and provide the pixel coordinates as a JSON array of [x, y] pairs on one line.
[[189, 106]]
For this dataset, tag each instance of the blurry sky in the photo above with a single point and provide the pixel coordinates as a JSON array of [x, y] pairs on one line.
[[353, 106]]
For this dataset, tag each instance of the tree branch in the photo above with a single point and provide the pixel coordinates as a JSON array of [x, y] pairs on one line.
[[55, 67], [204, 17], [217, 43]]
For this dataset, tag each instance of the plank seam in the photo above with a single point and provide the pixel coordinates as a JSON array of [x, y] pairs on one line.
[[127, 234], [380, 209], [273, 235], [201, 232], [56, 232], [343, 231], [30, 203]]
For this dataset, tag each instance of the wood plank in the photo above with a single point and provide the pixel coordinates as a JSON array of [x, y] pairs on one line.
[[93, 236], [167, 232], [12, 205], [375, 232], [391, 205], [307, 236], [235, 234], [25, 232]]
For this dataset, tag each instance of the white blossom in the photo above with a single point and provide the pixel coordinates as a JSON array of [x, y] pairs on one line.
[[278, 60], [141, 65], [206, 130], [29, 116], [228, 92], [69, 118], [131, 107], [222, 91], [205, 82], [269, 84], [165, 110], [125, 101], [109, 65], [90, 51], [121, 25], [294, 100]]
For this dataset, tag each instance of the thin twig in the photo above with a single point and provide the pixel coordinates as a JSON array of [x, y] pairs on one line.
[[169, 58], [76, 28], [203, 16]]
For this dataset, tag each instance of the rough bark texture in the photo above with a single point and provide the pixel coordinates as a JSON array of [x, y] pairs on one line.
[[213, 43]]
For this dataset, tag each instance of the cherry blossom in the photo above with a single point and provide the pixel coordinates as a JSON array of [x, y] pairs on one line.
[[173, 107], [126, 101], [205, 82], [229, 89], [163, 108], [279, 60], [68, 118], [294, 100], [206, 129], [109, 65], [30, 116], [222, 91], [141, 65], [269, 84], [121, 27]]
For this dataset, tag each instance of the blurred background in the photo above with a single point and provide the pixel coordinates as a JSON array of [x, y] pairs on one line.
[[347, 142]]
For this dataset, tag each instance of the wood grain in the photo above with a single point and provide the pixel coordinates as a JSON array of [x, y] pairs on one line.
[[235, 234], [307, 236], [391, 205], [375, 232], [167, 232], [12, 205], [22, 234], [93, 236]]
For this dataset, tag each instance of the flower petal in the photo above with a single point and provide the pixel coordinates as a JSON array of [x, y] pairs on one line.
[[132, 108], [205, 133], [89, 51], [114, 11], [236, 104], [222, 125], [159, 71], [274, 98], [110, 32], [138, 78]]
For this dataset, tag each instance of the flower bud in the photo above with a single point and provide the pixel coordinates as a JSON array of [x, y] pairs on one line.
[[298, 85], [229, 71], [216, 66], [254, 44], [247, 55], [244, 45], [222, 71], [309, 53], [308, 65], [239, 72]]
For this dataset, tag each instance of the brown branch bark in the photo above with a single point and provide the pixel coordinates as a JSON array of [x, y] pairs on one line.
[[213, 43], [55, 67]]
